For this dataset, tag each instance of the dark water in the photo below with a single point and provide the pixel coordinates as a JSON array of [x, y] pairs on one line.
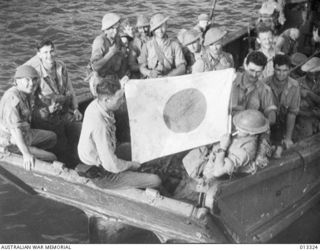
[[73, 25]]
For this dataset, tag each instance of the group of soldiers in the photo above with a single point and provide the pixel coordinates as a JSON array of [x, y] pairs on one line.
[[40, 112]]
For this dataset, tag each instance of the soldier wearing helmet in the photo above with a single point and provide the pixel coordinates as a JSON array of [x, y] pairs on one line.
[[238, 153], [214, 57], [106, 57], [141, 38], [161, 56], [16, 134], [192, 51]]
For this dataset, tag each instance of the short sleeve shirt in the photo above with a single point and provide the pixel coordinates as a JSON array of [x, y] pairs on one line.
[[15, 111], [286, 99], [171, 50], [100, 47], [258, 96]]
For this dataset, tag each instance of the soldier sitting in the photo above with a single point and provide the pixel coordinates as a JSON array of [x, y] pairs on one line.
[[15, 118]]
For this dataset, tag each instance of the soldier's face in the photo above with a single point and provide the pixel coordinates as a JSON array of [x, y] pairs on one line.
[[47, 54], [161, 31], [113, 31], [265, 39], [216, 48], [113, 103], [194, 47], [281, 72], [27, 85], [252, 71]]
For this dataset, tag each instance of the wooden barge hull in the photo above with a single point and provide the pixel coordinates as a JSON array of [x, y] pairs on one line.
[[251, 209]]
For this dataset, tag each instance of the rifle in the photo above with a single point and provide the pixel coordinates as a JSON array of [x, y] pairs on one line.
[[213, 6]]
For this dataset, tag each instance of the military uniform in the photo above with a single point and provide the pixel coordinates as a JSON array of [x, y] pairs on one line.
[[287, 100], [269, 68], [134, 54], [62, 121], [257, 97], [100, 47], [171, 50], [224, 61], [15, 112]]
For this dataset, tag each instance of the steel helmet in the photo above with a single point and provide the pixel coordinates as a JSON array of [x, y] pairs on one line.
[[157, 20], [313, 65], [109, 20], [142, 21], [251, 121], [26, 71], [190, 37], [213, 35], [298, 58]]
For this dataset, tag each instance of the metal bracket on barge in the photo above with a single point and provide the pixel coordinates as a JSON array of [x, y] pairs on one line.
[[171, 219]]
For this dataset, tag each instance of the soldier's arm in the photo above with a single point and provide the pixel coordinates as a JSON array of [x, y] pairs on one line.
[[28, 159], [99, 57], [180, 61], [179, 70]]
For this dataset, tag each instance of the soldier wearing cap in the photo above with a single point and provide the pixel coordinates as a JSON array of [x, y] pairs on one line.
[[56, 105], [192, 51], [265, 39], [15, 120], [238, 153], [141, 38], [248, 92], [106, 57], [161, 56], [309, 114], [286, 96], [98, 146], [213, 56], [203, 24]]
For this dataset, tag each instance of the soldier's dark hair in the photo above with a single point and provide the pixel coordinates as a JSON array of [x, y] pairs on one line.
[[263, 28], [281, 59], [44, 42], [107, 87], [256, 57]]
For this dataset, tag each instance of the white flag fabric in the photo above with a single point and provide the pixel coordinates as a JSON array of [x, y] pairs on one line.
[[174, 114]]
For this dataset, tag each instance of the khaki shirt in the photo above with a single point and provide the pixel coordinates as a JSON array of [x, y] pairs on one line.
[[97, 141], [257, 96], [172, 51], [100, 48], [224, 61], [15, 112], [59, 89], [286, 99], [242, 152]]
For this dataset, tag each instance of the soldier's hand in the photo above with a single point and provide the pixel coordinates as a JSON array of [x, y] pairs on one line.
[[77, 115], [288, 143], [135, 165], [28, 161], [54, 107], [113, 49], [225, 141], [153, 74]]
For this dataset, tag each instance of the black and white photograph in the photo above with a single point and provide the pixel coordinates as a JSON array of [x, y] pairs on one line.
[[159, 122]]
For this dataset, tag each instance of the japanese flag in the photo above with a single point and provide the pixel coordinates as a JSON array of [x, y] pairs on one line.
[[174, 114]]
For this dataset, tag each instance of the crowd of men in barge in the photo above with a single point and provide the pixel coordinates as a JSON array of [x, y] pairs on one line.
[[272, 105]]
